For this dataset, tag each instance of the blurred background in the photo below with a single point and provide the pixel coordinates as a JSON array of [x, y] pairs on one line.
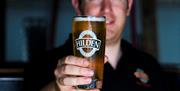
[[29, 27]]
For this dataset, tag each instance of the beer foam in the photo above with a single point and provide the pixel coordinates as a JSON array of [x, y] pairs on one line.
[[89, 18]]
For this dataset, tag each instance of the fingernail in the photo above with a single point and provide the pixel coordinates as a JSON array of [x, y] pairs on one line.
[[88, 73], [88, 80], [85, 62]]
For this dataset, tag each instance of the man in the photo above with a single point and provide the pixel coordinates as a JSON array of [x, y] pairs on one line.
[[127, 69]]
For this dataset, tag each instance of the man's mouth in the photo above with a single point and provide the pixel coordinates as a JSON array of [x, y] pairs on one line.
[[109, 22]]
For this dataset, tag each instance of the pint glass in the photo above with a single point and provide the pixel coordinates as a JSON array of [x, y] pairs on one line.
[[89, 36]]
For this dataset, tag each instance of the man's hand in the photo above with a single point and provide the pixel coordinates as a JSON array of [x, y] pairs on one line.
[[72, 71]]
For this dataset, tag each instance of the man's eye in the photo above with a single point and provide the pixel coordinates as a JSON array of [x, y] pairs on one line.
[[117, 2], [95, 1]]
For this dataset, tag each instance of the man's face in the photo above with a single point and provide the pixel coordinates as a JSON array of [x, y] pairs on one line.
[[115, 12]]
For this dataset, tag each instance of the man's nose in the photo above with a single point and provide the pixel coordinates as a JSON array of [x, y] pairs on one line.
[[107, 7]]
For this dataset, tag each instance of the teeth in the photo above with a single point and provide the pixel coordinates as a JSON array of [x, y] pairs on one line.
[[107, 21]]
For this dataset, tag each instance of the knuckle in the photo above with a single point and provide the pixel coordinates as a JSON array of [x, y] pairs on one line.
[[56, 72], [59, 62], [61, 81], [66, 69], [67, 59]]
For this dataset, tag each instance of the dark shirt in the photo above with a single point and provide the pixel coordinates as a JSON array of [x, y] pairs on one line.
[[41, 71]]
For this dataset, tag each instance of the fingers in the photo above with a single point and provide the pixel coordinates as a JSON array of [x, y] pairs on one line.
[[73, 70], [74, 81], [72, 60], [74, 66]]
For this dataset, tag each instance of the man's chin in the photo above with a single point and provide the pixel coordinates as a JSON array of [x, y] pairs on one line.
[[109, 37], [109, 40]]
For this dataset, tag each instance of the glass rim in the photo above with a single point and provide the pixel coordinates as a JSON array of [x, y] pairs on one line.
[[89, 18]]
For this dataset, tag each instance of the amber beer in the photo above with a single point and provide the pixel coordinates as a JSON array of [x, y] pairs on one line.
[[89, 34]]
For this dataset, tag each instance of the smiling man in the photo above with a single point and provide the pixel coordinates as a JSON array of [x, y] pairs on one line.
[[126, 69]]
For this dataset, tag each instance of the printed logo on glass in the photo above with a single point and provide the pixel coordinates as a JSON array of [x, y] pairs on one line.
[[87, 43]]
